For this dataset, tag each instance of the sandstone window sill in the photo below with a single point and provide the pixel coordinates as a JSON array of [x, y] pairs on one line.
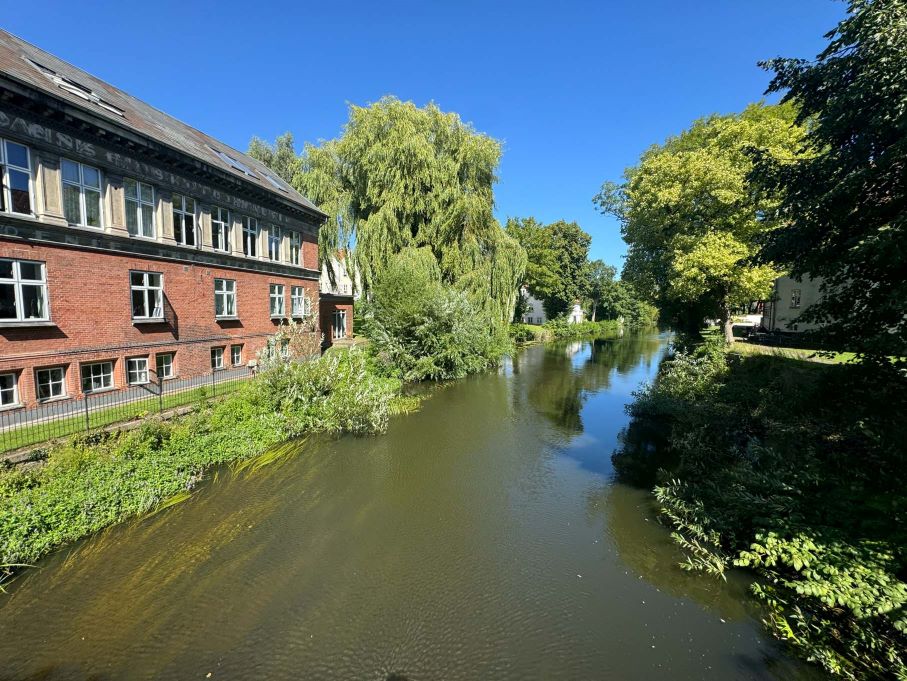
[[159, 320], [26, 325]]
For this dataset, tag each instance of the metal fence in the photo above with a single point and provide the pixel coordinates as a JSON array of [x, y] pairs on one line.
[[50, 420]]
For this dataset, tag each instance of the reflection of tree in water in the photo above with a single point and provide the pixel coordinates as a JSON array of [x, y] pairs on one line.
[[563, 377], [645, 547]]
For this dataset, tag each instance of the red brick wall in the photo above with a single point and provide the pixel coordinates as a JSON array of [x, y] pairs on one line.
[[90, 304], [327, 309]]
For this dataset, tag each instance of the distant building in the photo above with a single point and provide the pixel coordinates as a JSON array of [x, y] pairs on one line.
[[336, 302], [535, 310], [788, 301]]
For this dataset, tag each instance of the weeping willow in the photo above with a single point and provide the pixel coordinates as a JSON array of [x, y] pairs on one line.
[[402, 177]]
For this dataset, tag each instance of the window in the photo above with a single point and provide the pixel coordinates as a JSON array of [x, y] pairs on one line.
[[274, 243], [9, 390], [233, 163], [300, 305], [220, 229], [236, 355], [184, 220], [795, 298], [81, 193], [249, 236], [137, 370], [295, 248], [338, 324], [147, 295], [217, 358], [51, 383], [277, 302], [139, 208], [23, 290], [15, 178], [164, 365], [224, 298], [275, 183], [97, 376]]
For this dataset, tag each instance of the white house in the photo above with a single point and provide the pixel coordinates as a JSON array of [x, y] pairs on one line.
[[535, 310]]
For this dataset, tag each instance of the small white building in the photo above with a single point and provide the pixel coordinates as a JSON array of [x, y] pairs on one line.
[[535, 310], [789, 299]]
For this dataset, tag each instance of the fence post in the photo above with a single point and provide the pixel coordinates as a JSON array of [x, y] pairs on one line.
[[160, 394], [213, 383], [85, 406]]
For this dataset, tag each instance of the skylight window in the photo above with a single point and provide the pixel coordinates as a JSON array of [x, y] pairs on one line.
[[75, 88], [233, 163], [275, 183]]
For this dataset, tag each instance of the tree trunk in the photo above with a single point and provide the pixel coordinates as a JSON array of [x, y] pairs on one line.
[[594, 308], [727, 324]]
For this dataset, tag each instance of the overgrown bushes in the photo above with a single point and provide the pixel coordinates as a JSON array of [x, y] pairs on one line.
[[420, 328], [796, 471], [94, 481]]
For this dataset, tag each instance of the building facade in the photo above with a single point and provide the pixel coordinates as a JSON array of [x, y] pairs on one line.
[[337, 300], [133, 248], [789, 300], [534, 310]]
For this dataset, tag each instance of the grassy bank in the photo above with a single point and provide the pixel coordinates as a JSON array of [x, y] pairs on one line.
[[796, 471], [523, 334], [91, 482]]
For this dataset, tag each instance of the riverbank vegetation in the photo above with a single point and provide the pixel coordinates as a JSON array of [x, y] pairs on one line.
[[94, 481], [794, 470]]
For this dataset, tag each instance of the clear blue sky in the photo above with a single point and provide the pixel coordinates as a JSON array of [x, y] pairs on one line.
[[575, 90]]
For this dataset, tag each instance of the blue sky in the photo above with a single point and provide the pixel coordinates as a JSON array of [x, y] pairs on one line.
[[575, 90]]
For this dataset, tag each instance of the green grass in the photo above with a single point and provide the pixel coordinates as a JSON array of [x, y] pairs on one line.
[[825, 357], [70, 425]]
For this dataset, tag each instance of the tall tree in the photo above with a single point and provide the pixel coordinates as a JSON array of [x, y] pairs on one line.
[[843, 210], [557, 265], [601, 282], [692, 221], [280, 157], [401, 176]]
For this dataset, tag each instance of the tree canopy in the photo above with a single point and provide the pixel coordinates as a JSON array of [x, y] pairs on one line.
[[691, 219], [557, 267], [280, 157], [843, 210], [401, 177]]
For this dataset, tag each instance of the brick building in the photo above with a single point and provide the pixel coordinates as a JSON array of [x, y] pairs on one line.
[[337, 300], [132, 246]]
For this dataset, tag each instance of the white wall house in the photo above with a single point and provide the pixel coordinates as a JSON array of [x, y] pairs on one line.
[[789, 299], [535, 310]]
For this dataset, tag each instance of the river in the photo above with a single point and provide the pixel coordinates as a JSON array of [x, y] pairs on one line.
[[482, 537]]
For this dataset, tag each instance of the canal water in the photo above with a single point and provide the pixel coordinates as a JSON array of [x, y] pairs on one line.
[[480, 538]]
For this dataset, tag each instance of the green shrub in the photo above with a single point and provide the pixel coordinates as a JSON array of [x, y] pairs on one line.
[[420, 328], [797, 471], [529, 333], [562, 330]]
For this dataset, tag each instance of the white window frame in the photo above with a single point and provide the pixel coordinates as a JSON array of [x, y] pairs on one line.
[[6, 167], [135, 374], [274, 240], [154, 311], [295, 248], [220, 223], [217, 353], [227, 291], [172, 365], [18, 282], [236, 355], [277, 294], [13, 390], [83, 188], [135, 204], [105, 376], [338, 315], [180, 211], [48, 371], [300, 304], [250, 236], [796, 297]]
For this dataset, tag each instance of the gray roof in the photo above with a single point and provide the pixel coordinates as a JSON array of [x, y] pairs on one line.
[[23, 62]]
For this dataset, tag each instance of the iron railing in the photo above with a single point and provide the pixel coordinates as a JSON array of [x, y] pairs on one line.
[[58, 418]]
